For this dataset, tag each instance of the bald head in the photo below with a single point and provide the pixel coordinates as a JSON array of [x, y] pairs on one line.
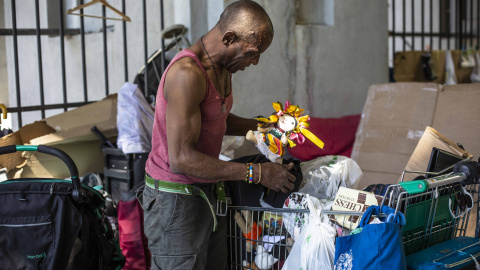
[[247, 19]]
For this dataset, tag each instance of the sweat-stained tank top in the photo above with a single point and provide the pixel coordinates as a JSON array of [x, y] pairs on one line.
[[213, 128]]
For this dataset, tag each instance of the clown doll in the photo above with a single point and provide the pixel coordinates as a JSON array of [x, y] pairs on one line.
[[286, 127]]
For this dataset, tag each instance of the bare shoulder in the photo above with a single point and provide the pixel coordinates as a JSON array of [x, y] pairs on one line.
[[185, 78]]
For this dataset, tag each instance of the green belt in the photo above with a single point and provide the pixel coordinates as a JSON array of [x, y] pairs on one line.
[[189, 190]]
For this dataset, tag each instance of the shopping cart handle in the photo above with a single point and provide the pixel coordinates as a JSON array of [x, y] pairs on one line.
[[415, 186], [418, 186]]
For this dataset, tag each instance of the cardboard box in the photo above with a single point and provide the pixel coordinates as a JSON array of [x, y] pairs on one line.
[[393, 120], [421, 155], [22, 136], [70, 132], [395, 117], [457, 115]]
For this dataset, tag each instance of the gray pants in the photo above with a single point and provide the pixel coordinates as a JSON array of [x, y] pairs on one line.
[[179, 229]]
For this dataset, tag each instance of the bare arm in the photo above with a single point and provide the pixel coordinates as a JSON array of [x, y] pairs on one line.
[[184, 89], [239, 126]]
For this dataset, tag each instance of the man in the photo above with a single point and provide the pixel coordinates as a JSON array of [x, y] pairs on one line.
[[192, 116]]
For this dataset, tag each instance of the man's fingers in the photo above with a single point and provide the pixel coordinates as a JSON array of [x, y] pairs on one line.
[[288, 166], [289, 185], [291, 178]]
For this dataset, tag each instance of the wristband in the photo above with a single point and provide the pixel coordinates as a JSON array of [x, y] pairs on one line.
[[259, 174]]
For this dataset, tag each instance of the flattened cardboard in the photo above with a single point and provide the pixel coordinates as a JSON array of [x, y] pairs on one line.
[[457, 115], [87, 156], [70, 132], [75, 125], [20, 137], [393, 120]]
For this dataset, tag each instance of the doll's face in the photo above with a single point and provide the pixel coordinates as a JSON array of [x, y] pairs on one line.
[[286, 122]]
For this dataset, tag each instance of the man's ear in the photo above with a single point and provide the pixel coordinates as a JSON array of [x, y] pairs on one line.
[[229, 38]]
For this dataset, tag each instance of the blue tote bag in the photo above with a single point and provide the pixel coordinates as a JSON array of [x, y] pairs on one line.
[[377, 246]]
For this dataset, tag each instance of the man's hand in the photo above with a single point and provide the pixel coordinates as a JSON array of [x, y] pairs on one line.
[[277, 177]]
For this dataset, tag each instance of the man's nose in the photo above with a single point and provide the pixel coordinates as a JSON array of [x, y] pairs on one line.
[[256, 60]]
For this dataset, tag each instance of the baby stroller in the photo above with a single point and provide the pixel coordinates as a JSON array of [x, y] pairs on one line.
[[54, 223]]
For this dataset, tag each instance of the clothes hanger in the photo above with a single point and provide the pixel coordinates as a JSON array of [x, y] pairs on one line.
[[3, 111], [103, 2]]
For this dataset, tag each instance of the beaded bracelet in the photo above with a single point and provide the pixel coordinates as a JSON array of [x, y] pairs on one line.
[[249, 173], [259, 173]]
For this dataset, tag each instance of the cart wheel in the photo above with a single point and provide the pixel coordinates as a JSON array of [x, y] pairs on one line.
[[172, 31]]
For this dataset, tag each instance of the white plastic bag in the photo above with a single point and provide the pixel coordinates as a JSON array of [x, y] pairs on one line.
[[324, 175], [451, 78], [134, 120], [315, 246], [475, 76], [295, 223]]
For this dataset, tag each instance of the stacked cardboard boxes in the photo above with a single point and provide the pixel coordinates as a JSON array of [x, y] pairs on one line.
[[395, 117]]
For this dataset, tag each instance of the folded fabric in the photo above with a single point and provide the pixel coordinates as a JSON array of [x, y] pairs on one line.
[[338, 134]]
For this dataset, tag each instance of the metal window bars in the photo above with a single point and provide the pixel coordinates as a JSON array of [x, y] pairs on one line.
[[438, 24], [63, 33]]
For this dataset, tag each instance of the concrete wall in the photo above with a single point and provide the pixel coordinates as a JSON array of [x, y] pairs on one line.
[[325, 69]]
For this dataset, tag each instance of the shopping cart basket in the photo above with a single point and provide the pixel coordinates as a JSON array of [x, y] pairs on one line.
[[54, 223], [277, 226], [437, 211]]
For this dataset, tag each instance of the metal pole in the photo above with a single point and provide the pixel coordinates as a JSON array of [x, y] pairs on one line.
[[423, 25], [62, 55], [15, 56], [440, 33], [413, 25], [404, 24], [84, 61], [460, 25], [431, 24], [162, 26], [105, 58], [39, 52], [393, 28], [145, 39], [471, 23], [124, 28], [449, 13]]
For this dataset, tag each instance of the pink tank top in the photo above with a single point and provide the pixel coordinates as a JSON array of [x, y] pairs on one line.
[[213, 128]]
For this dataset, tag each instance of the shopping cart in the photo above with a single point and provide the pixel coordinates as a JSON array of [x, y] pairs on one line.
[[437, 211], [278, 227], [433, 209]]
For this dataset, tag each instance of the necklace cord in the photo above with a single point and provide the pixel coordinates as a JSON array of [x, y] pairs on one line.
[[222, 93]]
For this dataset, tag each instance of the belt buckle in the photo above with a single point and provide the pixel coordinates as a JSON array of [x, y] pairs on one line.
[[220, 209]]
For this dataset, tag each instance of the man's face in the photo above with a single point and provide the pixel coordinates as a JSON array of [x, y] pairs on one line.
[[247, 53]]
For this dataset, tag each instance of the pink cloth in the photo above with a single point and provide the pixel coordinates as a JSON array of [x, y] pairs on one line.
[[213, 128], [338, 134], [133, 242]]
